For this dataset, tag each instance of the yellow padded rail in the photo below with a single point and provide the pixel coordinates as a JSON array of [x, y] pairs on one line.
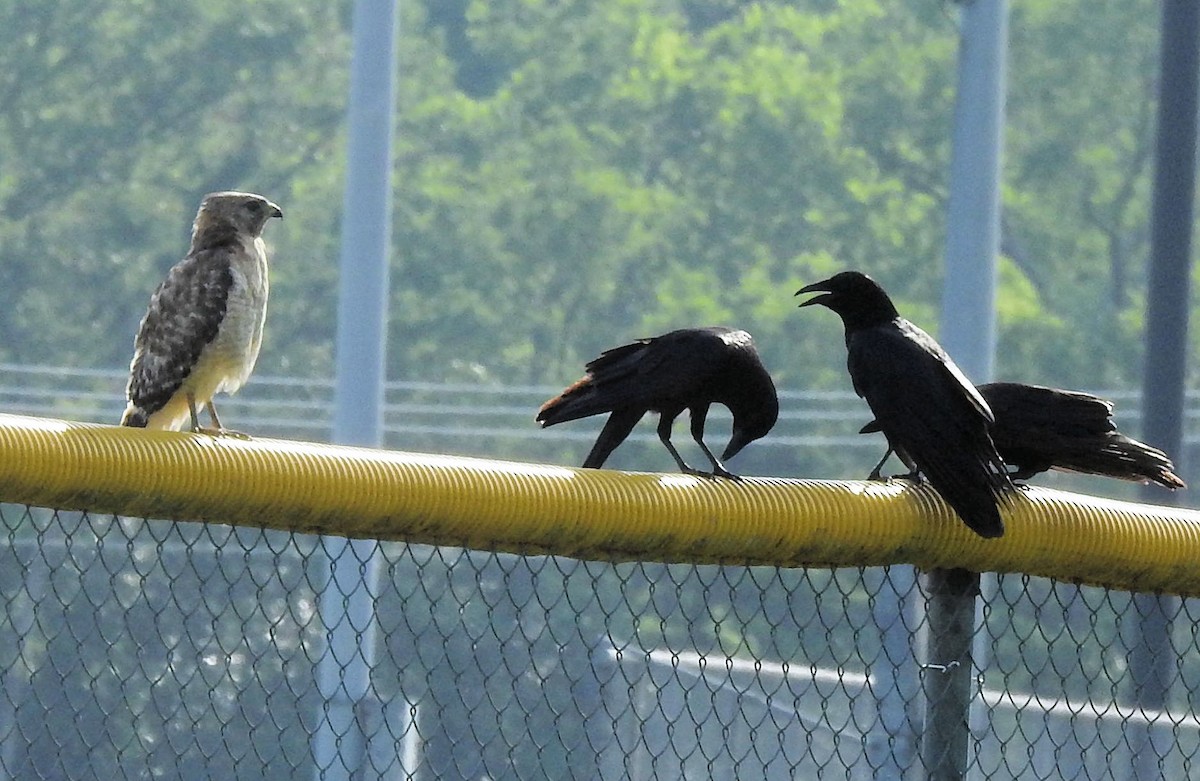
[[590, 514]]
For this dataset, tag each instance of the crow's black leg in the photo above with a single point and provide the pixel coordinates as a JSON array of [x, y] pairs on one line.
[[665, 421], [879, 467], [913, 473], [699, 415]]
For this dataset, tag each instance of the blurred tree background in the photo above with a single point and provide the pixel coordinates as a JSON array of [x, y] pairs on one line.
[[572, 175]]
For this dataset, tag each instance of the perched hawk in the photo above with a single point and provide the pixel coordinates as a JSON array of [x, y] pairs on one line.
[[204, 326]]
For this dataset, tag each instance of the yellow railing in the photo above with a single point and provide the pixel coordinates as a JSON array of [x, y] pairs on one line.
[[591, 514]]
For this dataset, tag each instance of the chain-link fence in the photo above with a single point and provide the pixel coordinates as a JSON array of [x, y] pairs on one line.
[[138, 649]]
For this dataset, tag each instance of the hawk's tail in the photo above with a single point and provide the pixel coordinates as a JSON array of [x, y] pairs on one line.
[[135, 417]]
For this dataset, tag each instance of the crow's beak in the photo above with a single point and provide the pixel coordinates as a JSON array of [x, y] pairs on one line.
[[736, 442], [816, 287]]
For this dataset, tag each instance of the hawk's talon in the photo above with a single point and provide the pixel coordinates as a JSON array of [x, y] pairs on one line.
[[222, 433]]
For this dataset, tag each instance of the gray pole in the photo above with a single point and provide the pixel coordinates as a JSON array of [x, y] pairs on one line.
[[968, 332], [350, 712], [968, 325], [366, 229], [1168, 290], [1152, 662], [949, 670]]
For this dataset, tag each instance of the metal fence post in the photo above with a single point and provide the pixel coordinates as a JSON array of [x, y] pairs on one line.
[[968, 332], [1152, 659], [949, 671]]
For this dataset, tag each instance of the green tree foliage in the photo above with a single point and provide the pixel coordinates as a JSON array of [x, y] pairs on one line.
[[651, 175], [1079, 145], [572, 175]]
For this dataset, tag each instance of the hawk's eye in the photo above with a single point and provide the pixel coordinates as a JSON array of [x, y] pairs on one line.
[[255, 206]]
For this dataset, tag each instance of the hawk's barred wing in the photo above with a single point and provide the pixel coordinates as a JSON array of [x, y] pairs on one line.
[[185, 315]]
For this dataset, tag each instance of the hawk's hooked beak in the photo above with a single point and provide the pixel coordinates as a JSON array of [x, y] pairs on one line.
[[275, 210], [816, 287]]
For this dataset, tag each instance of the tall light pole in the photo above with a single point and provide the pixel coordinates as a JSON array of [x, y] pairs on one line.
[[347, 602]]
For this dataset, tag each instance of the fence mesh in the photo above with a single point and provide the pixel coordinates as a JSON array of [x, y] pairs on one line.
[[137, 649]]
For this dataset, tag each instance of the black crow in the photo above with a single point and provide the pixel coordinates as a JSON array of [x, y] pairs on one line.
[[932, 416], [686, 369], [1039, 428]]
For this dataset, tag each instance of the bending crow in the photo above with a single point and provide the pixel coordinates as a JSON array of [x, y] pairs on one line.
[[690, 369]]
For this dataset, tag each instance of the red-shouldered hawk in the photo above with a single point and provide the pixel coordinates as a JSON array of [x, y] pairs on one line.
[[203, 330]]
